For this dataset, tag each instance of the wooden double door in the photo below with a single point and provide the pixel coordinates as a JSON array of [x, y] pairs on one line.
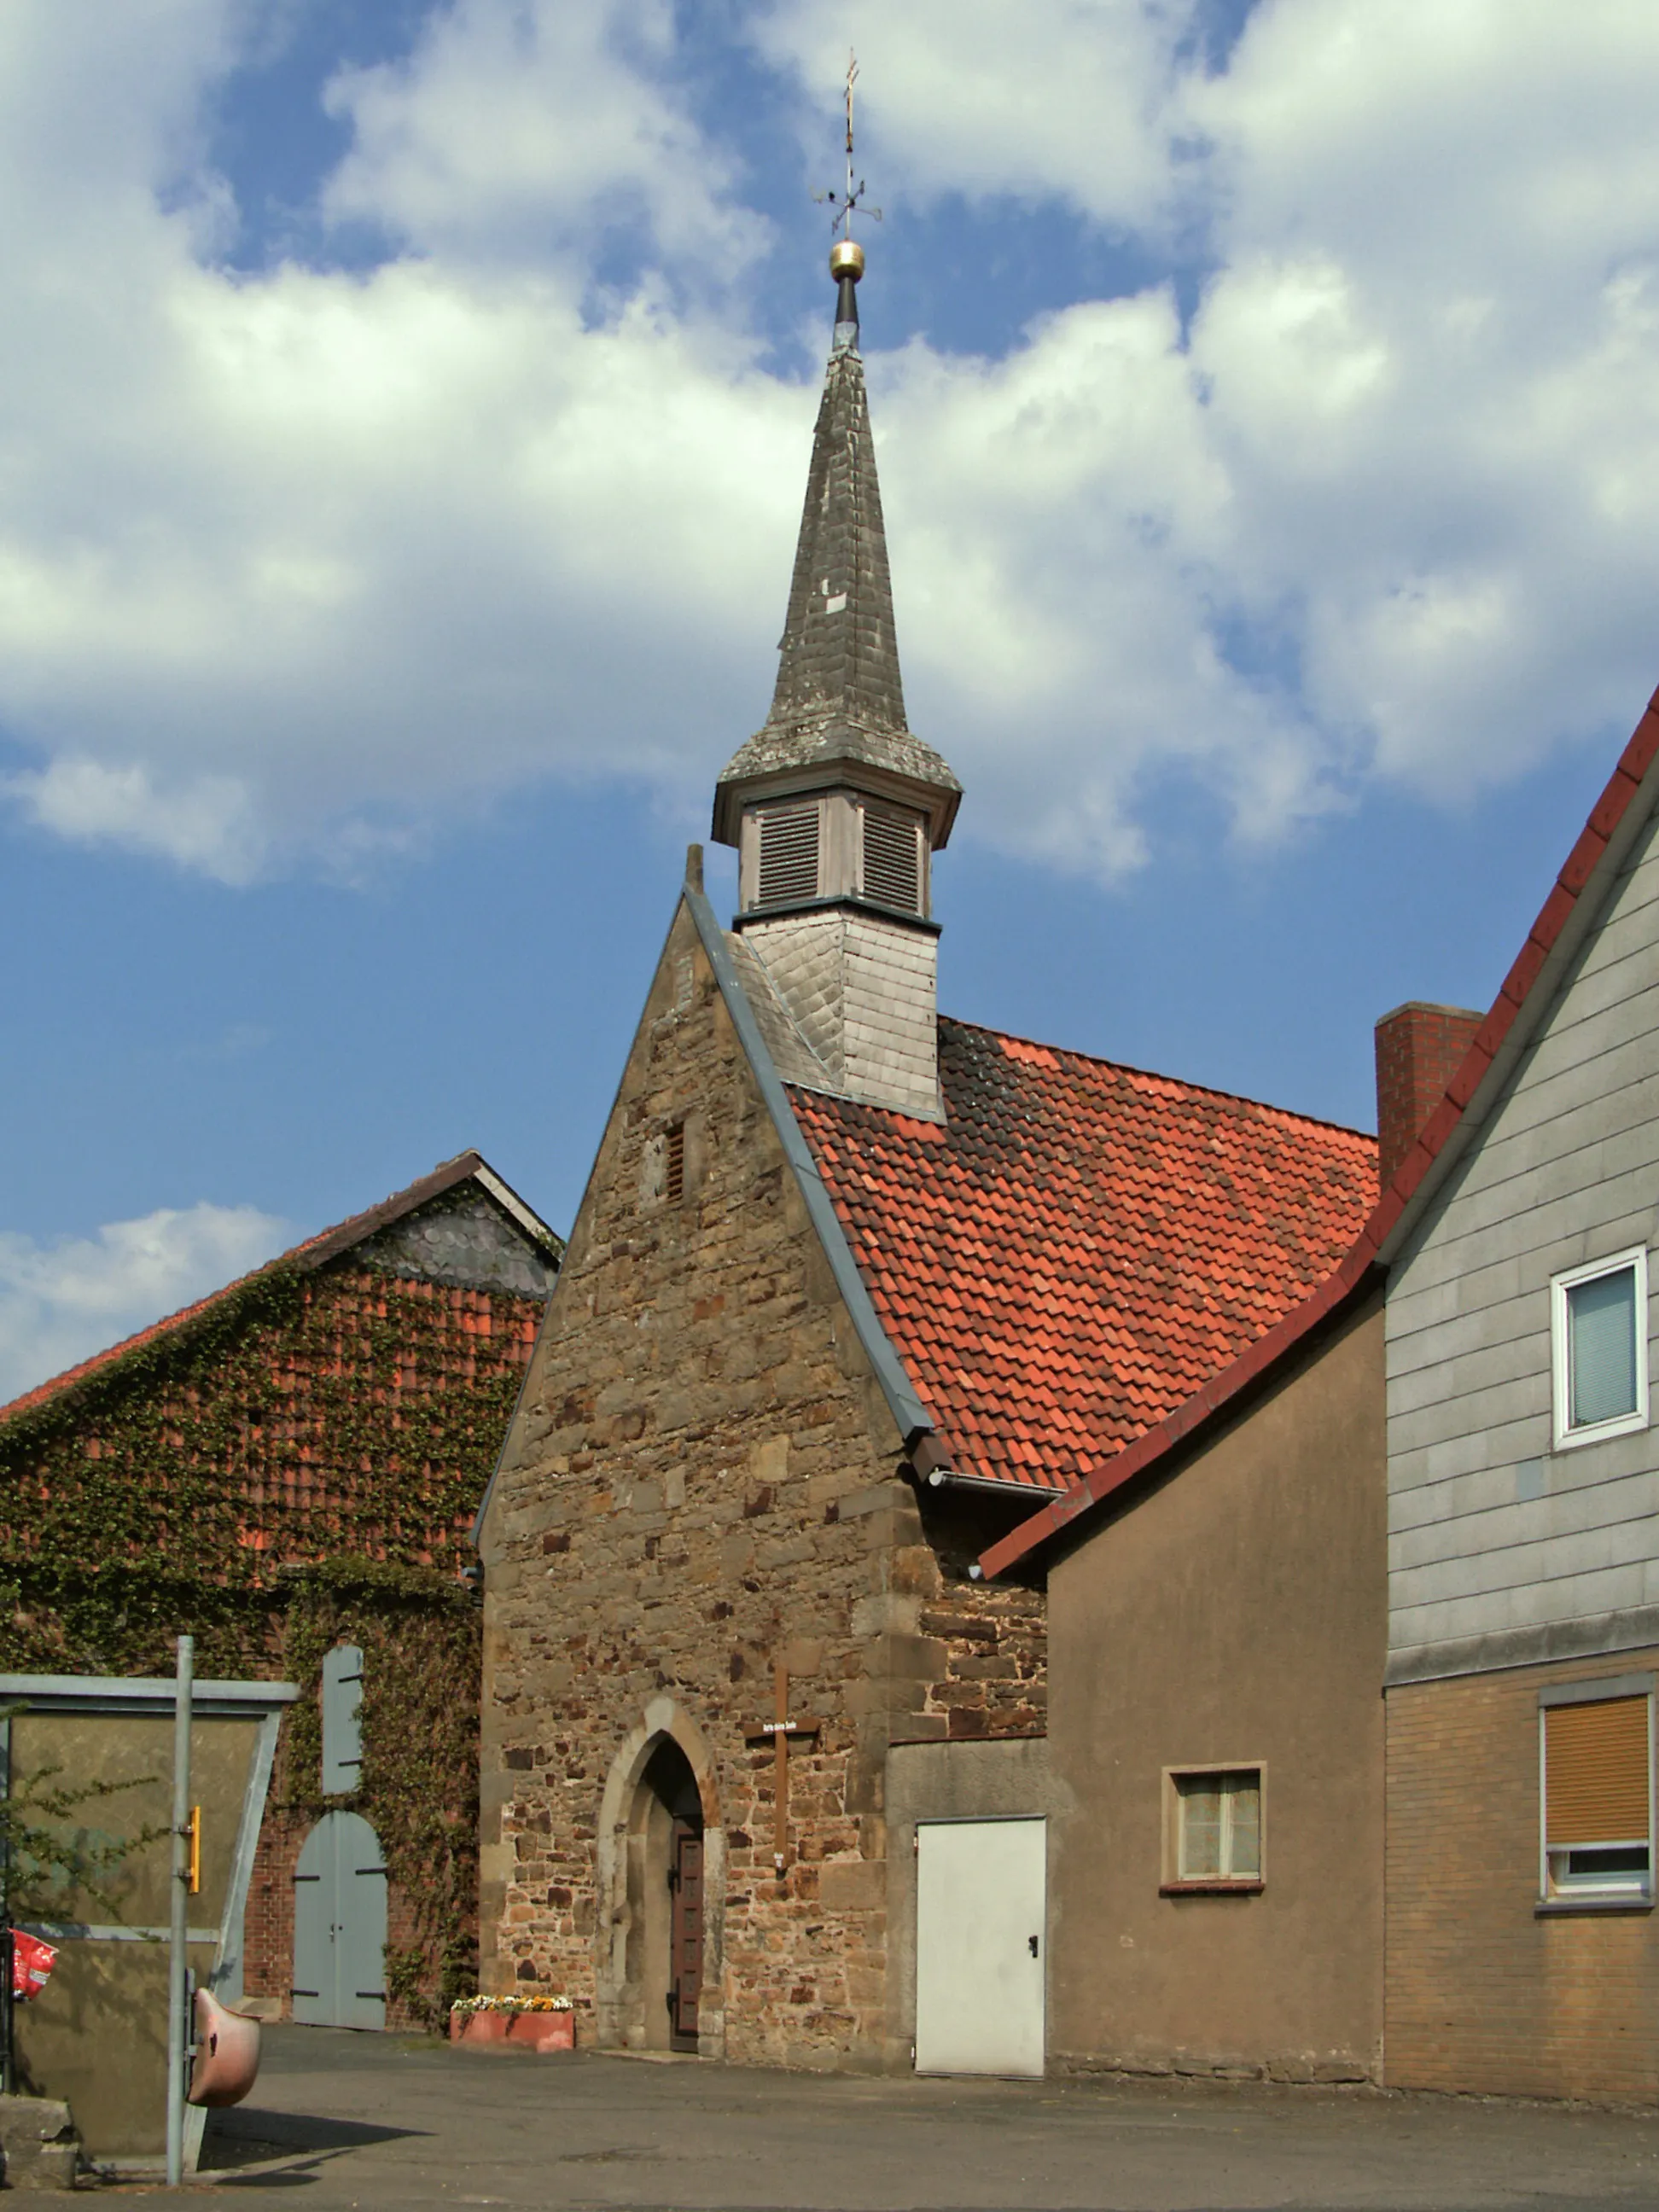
[[339, 1925], [685, 1893]]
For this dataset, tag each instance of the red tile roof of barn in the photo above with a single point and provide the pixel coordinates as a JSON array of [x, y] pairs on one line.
[[1082, 1245], [314, 1252]]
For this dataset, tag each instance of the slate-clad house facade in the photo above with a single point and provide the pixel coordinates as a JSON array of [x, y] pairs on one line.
[[1477, 1708], [1523, 1487], [851, 1286], [289, 1470]]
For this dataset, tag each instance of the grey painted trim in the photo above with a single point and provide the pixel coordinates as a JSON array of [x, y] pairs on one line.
[[1588, 910], [510, 1203], [910, 1415], [922, 925], [98, 1931], [1549, 1908], [225, 1979], [1590, 1693], [105, 1693], [1526, 1647]]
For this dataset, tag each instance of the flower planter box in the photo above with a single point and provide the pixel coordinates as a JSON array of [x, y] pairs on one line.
[[543, 2031], [525, 2031]]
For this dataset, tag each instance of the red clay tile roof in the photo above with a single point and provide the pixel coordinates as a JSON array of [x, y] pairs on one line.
[[1399, 1206], [1082, 1246], [314, 1252]]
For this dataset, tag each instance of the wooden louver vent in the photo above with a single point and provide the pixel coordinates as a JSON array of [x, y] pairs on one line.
[[789, 854], [1596, 1771], [893, 859]]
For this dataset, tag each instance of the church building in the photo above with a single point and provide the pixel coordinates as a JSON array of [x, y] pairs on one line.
[[853, 1288]]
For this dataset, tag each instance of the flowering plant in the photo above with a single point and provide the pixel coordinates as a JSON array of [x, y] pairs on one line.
[[467, 2006]]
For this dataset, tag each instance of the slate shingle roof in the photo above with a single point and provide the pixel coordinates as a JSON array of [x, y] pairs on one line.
[[1083, 1245], [315, 1252], [839, 694]]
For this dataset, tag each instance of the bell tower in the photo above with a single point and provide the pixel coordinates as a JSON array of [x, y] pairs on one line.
[[835, 808]]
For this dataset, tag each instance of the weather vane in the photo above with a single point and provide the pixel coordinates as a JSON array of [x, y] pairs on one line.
[[845, 203]]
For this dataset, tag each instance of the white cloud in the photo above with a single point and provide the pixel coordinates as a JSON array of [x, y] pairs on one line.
[[296, 563], [1054, 97], [61, 1303]]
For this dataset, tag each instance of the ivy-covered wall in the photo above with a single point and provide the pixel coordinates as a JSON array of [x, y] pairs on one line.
[[296, 1464]]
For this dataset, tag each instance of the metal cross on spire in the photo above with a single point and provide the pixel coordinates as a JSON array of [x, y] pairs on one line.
[[853, 198]]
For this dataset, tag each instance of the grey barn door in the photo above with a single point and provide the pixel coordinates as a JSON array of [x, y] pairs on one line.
[[339, 1926]]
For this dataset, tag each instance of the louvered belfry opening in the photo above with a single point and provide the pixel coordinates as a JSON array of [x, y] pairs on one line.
[[789, 854], [891, 870]]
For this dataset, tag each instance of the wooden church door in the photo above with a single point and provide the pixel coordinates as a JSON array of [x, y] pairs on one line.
[[339, 1925], [685, 1933]]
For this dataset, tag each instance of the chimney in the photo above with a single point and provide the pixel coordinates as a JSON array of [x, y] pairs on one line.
[[1419, 1048]]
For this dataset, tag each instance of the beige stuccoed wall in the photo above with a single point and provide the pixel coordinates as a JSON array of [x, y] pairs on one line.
[[1236, 1614], [702, 1478]]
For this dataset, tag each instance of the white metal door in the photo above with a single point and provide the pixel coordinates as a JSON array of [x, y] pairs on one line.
[[339, 1926], [981, 1945]]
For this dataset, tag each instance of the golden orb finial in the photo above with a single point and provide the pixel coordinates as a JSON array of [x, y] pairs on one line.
[[847, 260]]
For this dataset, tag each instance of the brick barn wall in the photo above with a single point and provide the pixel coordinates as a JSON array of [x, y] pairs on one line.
[[1482, 1994], [304, 1471]]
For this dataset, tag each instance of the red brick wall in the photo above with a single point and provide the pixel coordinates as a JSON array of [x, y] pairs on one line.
[[1482, 1993], [1419, 1048]]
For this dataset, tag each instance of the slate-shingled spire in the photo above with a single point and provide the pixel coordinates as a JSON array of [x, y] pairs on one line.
[[839, 695]]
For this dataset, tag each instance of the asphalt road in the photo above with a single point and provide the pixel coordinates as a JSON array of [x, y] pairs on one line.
[[342, 2120]]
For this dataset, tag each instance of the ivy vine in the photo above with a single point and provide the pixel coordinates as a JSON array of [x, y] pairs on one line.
[[297, 1464]]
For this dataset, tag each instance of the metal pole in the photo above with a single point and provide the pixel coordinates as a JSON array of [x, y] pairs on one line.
[[7, 2021], [177, 2018]]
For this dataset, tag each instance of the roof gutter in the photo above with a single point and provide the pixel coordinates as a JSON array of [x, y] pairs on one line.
[[911, 1417]]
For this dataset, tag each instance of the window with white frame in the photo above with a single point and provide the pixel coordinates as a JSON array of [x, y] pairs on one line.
[[1213, 1826], [1599, 1343], [1595, 1787]]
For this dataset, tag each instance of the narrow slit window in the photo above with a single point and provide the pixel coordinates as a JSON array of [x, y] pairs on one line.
[[674, 1164], [893, 859], [789, 854], [1597, 1786]]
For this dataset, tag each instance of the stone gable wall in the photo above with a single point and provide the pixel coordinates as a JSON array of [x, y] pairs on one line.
[[703, 1480]]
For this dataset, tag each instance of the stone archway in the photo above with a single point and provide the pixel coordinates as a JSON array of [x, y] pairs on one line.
[[661, 1793]]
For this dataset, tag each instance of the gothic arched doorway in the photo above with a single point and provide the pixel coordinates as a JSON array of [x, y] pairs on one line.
[[666, 1842], [662, 1867]]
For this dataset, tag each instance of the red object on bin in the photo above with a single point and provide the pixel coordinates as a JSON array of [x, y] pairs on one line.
[[32, 1962]]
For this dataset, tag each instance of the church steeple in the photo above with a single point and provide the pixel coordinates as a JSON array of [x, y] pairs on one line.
[[837, 807], [838, 707]]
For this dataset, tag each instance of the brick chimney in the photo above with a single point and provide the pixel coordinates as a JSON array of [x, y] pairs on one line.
[[1419, 1048]]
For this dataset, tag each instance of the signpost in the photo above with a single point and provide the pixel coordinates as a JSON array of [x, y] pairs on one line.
[[177, 1973]]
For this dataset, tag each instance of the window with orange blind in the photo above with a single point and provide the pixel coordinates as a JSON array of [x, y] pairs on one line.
[[1598, 1790]]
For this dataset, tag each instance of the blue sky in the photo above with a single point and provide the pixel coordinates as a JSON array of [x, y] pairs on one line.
[[404, 415]]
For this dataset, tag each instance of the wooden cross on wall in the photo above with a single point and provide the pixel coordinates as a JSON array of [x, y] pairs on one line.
[[781, 1731]]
